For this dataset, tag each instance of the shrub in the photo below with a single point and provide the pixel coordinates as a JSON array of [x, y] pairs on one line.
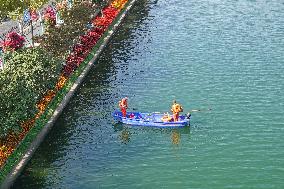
[[13, 41], [28, 74]]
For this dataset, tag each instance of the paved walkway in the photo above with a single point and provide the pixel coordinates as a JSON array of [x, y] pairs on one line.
[[6, 26], [10, 25]]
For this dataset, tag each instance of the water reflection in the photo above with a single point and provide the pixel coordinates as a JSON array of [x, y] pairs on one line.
[[175, 136], [124, 136], [124, 133], [51, 150], [178, 134]]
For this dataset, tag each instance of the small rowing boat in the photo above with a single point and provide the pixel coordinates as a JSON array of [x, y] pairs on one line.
[[154, 119]]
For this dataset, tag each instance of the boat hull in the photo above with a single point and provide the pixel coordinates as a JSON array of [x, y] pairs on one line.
[[149, 119]]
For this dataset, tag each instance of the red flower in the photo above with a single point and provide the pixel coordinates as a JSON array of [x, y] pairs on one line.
[[49, 15], [13, 41], [88, 41]]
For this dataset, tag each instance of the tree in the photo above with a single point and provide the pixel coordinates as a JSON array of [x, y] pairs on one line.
[[59, 41], [28, 74], [15, 8]]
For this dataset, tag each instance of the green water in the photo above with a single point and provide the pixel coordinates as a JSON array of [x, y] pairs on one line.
[[223, 55]]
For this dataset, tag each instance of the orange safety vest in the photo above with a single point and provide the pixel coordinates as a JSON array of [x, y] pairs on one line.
[[176, 108]]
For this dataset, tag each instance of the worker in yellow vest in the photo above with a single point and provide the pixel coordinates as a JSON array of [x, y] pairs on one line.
[[176, 109]]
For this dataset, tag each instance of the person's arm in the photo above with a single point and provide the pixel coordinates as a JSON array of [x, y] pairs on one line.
[[173, 108]]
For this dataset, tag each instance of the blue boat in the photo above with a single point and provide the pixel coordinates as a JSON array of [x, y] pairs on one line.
[[154, 119]]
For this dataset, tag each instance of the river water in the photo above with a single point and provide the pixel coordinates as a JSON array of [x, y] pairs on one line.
[[207, 54]]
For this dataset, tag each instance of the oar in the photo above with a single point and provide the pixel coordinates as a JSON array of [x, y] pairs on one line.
[[200, 110]]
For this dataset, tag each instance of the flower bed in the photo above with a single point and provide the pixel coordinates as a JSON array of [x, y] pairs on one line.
[[75, 63]]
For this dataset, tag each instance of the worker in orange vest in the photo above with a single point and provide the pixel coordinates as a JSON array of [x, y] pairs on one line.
[[176, 109], [123, 106]]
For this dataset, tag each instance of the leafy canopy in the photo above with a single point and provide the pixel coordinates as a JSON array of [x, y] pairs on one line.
[[15, 8], [28, 74], [59, 41]]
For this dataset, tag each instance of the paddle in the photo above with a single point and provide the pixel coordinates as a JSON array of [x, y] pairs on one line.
[[194, 110], [200, 110], [188, 115]]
